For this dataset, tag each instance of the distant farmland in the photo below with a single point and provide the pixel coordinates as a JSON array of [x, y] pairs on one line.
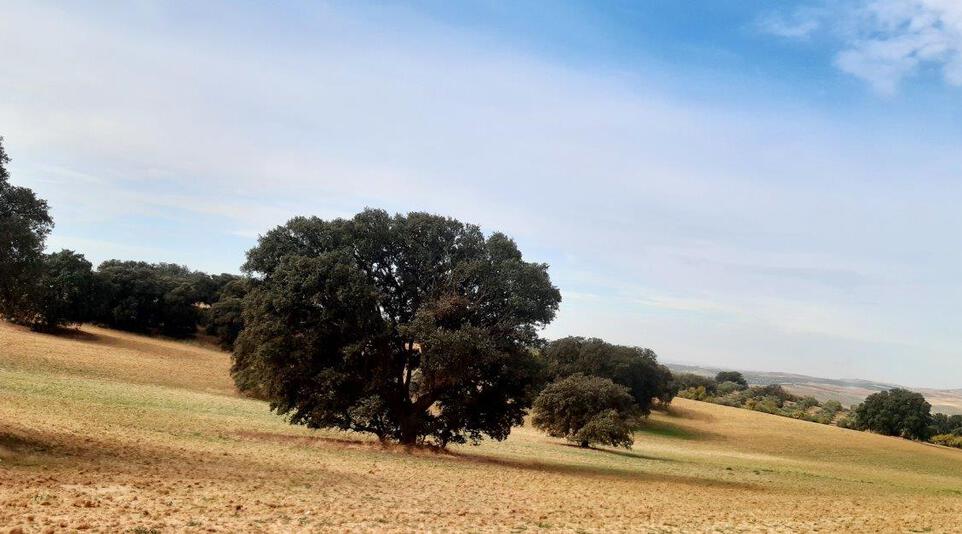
[[115, 432], [846, 391]]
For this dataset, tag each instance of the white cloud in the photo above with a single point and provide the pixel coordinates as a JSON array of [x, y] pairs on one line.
[[666, 221], [883, 42], [799, 24]]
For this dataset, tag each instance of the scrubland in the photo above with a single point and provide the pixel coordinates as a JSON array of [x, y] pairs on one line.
[[114, 432]]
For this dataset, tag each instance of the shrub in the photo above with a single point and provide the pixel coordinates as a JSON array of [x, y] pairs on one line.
[[726, 388], [635, 368], [949, 440], [586, 410], [944, 424], [698, 393], [691, 380], [731, 376]]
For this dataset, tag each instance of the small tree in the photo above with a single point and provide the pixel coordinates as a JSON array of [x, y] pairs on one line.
[[63, 291], [633, 367], [685, 381], [731, 376], [586, 410], [25, 223], [726, 388], [896, 412]]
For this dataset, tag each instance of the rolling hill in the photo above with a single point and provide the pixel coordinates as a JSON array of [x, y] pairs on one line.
[[847, 391], [112, 432]]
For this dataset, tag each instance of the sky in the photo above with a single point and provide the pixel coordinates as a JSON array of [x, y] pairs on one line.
[[748, 184]]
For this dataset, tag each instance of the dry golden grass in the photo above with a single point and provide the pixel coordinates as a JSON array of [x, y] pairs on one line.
[[118, 433]]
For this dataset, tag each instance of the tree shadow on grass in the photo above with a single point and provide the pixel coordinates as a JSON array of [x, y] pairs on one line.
[[618, 452], [675, 411], [666, 429], [602, 471]]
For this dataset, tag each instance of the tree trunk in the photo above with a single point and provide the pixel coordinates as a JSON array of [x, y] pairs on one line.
[[584, 444]]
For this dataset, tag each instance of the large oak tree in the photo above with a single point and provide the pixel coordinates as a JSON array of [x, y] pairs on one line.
[[413, 327], [25, 223]]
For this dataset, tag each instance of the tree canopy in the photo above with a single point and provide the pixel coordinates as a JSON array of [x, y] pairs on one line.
[[64, 291], [896, 412], [413, 327], [586, 410], [731, 376], [635, 368], [148, 297], [25, 223]]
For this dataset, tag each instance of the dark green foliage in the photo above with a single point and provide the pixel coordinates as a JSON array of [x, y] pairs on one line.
[[64, 291], [731, 376], [412, 327], [25, 223], [828, 412], [586, 410], [685, 381], [151, 297], [945, 424], [225, 317], [208, 288], [774, 391], [896, 412], [771, 399], [726, 388], [633, 367]]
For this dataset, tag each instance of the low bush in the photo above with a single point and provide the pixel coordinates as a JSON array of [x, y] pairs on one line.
[[586, 410], [949, 440]]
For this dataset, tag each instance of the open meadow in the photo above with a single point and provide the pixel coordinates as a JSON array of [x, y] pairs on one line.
[[108, 431]]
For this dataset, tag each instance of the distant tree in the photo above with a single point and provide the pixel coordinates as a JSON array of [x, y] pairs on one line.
[[25, 223], [896, 412], [773, 391], [726, 388], [145, 297], [945, 424], [828, 412], [413, 327], [731, 376], [685, 381], [63, 291], [698, 393], [225, 318], [207, 288], [586, 410], [633, 367]]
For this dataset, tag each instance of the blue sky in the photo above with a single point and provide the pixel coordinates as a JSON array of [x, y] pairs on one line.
[[749, 184]]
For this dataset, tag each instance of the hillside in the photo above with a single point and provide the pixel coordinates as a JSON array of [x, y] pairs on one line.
[[115, 432], [848, 391]]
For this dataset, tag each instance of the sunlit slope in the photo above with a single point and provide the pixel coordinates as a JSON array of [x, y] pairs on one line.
[[112, 431]]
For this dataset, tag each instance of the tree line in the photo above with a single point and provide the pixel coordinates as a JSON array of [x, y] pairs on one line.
[[895, 412], [416, 328]]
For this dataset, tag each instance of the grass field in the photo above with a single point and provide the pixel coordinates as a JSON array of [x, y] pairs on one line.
[[106, 431]]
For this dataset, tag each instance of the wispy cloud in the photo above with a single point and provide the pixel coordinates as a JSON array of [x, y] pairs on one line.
[[798, 24], [883, 42], [753, 234]]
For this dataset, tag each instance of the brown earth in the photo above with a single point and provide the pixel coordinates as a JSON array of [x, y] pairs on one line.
[[111, 432]]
